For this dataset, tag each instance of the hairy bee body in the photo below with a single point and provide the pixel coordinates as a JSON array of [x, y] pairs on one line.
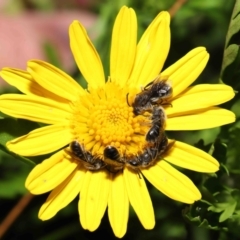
[[160, 90], [89, 161], [113, 159], [157, 125], [147, 158], [153, 93], [150, 155]]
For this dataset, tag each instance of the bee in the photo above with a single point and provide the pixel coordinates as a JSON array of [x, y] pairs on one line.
[[163, 146], [89, 161], [159, 89], [144, 159], [153, 93], [113, 159], [115, 162], [158, 120], [142, 103], [150, 154], [147, 158]]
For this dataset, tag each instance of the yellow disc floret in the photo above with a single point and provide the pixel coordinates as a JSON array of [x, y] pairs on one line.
[[107, 119]]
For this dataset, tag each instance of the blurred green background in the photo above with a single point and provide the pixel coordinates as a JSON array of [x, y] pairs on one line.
[[194, 23]]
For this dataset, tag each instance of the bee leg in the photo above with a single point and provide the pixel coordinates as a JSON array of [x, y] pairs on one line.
[[95, 166], [113, 169], [127, 99]]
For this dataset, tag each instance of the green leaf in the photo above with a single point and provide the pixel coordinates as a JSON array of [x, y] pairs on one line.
[[224, 167], [198, 215], [230, 55], [206, 224], [199, 222], [11, 128], [231, 51], [233, 28], [218, 207], [228, 212], [16, 156], [236, 9], [205, 201]]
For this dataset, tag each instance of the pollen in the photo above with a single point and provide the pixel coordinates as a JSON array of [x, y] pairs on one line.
[[103, 117]]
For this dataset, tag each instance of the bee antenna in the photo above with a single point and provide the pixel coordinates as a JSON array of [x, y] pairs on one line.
[[139, 173], [127, 99]]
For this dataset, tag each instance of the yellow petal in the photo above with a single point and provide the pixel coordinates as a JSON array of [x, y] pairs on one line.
[[86, 56], [139, 198], [62, 195], [50, 173], [45, 166], [54, 80], [172, 183], [118, 206], [199, 97], [189, 157], [22, 80], [123, 47], [93, 199], [187, 69], [25, 83], [41, 141], [202, 119], [152, 51], [33, 108]]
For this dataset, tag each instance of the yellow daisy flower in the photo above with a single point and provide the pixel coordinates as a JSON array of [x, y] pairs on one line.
[[101, 116]]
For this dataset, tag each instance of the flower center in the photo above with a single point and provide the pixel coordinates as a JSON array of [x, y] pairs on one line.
[[103, 117]]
